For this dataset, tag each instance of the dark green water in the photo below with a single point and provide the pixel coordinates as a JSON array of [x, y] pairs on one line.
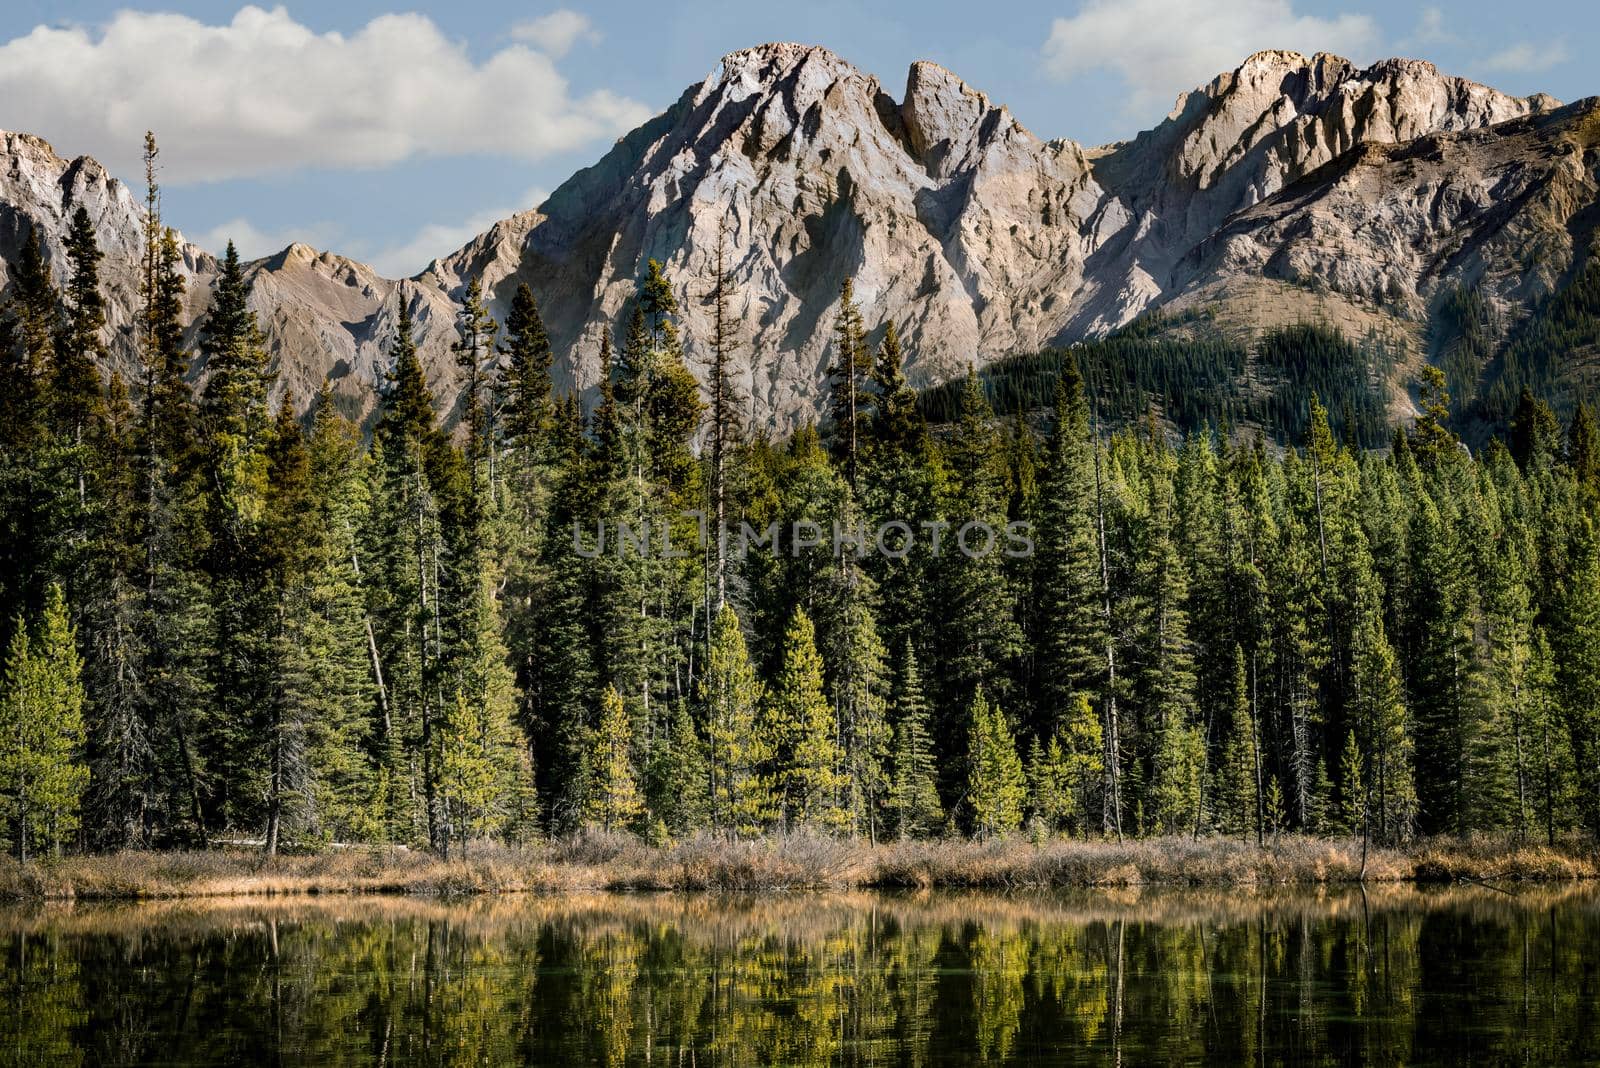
[[1397, 976]]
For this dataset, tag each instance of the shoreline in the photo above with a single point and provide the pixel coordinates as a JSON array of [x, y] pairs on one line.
[[799, 862]]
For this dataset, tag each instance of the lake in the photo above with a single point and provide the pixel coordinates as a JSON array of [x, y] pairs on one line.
[[1397, 975]]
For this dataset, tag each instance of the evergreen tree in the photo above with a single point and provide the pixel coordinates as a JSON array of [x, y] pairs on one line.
[[75, 382], [996, 785], [859, 689], [1069, 639], [614, 801], [847, 379], [473, 347], [913, 786], [676, 785], [1239, 777], [897, 424], [42, 774], [1352, 788], [31, 492], [1051, 798], [1575, 645], [737, 752], [805, 735], [525, 381]]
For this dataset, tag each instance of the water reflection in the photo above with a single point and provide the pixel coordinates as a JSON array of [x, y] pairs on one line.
[[1393, 976]]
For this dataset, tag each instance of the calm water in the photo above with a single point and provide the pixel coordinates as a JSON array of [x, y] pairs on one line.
[[1397, 976]]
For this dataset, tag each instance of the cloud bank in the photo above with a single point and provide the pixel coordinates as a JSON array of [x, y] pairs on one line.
[[265, 94]]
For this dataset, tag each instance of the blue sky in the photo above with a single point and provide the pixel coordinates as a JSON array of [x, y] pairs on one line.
[[393, 133]]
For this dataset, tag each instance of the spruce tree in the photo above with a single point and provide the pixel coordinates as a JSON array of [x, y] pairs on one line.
[[42, 772], [1239, 777], [1069, 639], [805, 735], [741, 796], [913, 787], [847, 380], [614, 801], [996, 784], [1083, 753]]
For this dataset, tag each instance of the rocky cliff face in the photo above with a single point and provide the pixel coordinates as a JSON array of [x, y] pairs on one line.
[[1367, 188]]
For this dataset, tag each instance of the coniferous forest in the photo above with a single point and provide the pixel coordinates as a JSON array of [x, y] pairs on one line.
[[225, 623]]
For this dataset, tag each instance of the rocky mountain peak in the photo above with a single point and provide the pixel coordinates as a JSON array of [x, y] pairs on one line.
[[956, 223]]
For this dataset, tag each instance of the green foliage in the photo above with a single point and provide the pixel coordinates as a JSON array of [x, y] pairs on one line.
[[42, 774], [738, 751], [614, 799], [914, 805], [996, 785], [804, 735], [291, 631]]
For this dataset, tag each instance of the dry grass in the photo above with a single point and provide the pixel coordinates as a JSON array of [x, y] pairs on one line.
[[597, 861]]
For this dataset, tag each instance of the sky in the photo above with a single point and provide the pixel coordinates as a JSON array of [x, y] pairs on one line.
[[393, 134]]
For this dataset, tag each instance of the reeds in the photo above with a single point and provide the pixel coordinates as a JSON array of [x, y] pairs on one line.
[[799, 861]]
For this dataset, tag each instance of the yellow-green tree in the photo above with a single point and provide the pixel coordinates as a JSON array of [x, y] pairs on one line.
[[1083, 748], [1051, 798], [42, 774], [470, 782], [805, 732], [614, 801], [996, 785], [741, 798]]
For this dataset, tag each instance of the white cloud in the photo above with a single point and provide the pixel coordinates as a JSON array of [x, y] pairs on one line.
[[1161, 48], [1431, 29], [253, 242], [436, 239], [555, 34], [264, 93], [1527, 57]]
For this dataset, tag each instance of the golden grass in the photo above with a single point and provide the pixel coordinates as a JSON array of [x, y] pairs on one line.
[[597, 862]]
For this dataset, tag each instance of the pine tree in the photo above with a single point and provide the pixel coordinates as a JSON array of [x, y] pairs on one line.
[[1583, 447], [1575, 645], [42, 774], [174, 609], [897, 423], [847, 379], [75, 384], [914, 805], [1551, 786], [1070, 643], [352, 698], [1239, 777], [805, 735], [1083, 753], [525, 381], [410, 472], [726, 428], [1051, 798], [737, 752], [996, 784], [474, 345], [1352, 817], [1164, 671], [30, 485], [614, 801], [472, 779], [981, 635], [860, 685], [676, 785]]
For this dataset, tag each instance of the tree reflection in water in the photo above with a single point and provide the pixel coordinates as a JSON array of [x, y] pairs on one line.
[[1393, 976]]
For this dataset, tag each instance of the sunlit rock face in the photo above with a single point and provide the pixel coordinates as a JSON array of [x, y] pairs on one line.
[[1371, 187]]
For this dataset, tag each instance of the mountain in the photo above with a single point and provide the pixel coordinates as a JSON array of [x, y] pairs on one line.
[[1291, 189]]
